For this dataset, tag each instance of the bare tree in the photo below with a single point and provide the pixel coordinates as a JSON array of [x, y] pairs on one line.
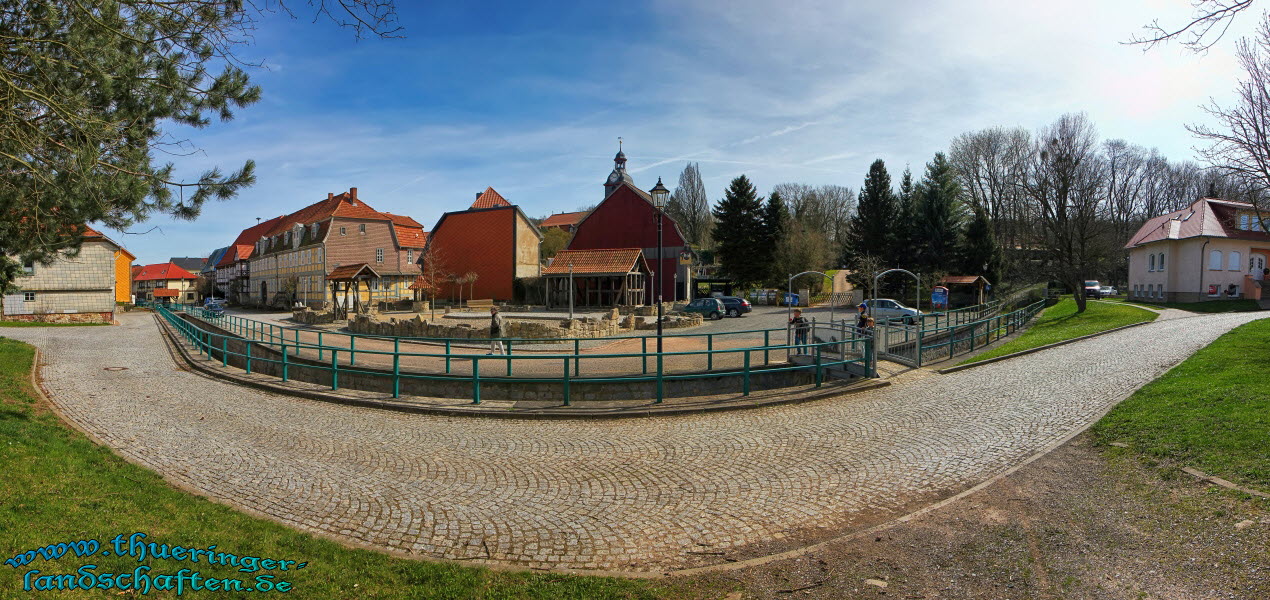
[[826, 208], [1240, 149], [1065, 184], [690, 208], [991, 165], [1209, 22]]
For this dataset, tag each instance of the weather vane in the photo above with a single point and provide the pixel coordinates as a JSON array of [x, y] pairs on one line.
[[619, 143]]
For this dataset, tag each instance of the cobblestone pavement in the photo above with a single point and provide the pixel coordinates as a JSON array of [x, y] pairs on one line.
[[645, 494]]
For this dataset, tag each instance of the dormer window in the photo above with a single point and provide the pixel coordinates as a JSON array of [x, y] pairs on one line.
[[1243, 222]]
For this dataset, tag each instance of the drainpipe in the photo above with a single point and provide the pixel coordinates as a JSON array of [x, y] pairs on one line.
[[1202, 258]]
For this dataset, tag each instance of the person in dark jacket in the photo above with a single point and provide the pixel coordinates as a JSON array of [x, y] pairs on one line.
[[495, 331], [801, 327]]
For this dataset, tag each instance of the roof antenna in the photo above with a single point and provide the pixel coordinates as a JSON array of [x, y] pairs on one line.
[[257, 220], [619, 143]]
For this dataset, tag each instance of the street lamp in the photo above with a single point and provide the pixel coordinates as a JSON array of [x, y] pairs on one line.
[[659, 194]]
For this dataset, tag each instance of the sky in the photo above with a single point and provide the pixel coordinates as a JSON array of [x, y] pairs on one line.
[[531, 98]]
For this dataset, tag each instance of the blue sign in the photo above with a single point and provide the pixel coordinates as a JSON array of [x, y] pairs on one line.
[[939, 296]]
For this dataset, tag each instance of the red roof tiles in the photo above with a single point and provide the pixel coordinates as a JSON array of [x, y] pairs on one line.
[[410, 233], [1207, 217], [162, 271], [350, 271], [612, 261], [489, 199], [564, 220], [166, 293], [962, 279]]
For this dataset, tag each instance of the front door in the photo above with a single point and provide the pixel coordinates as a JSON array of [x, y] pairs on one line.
[[1256, 263], [264, 294]]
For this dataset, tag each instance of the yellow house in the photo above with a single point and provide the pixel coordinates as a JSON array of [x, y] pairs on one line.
[[123, 275]]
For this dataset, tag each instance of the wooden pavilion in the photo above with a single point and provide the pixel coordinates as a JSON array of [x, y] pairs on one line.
[[348, 279], [603, 277]]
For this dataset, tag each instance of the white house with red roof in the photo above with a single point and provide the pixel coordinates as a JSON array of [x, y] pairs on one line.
[[165, 282], [1210, 250]]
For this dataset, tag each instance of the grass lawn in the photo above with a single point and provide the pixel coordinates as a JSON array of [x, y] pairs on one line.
[[1062, 322], [34, 324], [1212, 412], [1212, 306], [57, 486]]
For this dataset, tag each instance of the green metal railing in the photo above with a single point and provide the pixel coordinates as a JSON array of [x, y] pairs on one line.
[[919, 344], [288, 344]]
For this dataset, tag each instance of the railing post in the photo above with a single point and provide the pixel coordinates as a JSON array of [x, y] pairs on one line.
[[476, 380], [567, 401], [819, 372], [447, 356], [659, 378], [321, 352], [224, 351], [335, 369], [766, 343], [644, 352], [745, 377], [509, 358], [284, 363], [352, 350], [576, 360], [249, 357], [396, 367], [709, 351]]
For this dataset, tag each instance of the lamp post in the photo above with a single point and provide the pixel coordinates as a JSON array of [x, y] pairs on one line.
[[570, 290], [659, 194]]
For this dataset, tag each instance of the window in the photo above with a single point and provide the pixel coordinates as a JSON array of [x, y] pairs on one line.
[[1243, 221], [379, 255], [28, 267], [28, 296], [1151, 263], [1214, 260], [1235, 261], [319, 255], [410, 256], [361, 229], [1159, 264], [343, 231]]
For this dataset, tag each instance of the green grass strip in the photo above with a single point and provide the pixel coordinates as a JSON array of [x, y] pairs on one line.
[[58, 486], [1212, 306], [1212, 412], [1061, 322]]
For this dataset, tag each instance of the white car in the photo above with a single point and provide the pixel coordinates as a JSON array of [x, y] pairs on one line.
[[886, 308], [1106, 291]]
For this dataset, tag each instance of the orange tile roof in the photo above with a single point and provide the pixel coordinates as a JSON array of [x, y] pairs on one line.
[[564, 219], [1206, 217], [166, 293], [489, 199], [962, 279], [411, 237], [608, 261], [162, 271]]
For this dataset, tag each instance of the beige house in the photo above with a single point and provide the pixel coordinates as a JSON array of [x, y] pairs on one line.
[[165, 282], [83, 288], [1213, 249]]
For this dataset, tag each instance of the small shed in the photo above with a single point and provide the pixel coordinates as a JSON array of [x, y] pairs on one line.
[[348, 278], [602, 277], [974, 287]]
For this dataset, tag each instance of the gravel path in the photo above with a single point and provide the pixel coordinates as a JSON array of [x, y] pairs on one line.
[[648, 494]]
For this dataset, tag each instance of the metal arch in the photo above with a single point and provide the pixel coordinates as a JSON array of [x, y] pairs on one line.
[[918, 280], [790, 289]]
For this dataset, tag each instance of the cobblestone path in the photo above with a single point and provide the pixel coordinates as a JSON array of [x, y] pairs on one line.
[[643, 494]]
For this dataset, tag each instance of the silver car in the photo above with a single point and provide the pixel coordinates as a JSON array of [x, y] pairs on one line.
[[885, 308]]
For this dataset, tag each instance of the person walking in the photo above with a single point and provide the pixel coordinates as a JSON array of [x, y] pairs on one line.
[[862, 317], [801, 327], [495, 331]]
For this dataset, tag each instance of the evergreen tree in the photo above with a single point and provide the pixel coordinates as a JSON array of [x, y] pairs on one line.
[[739, 232], [940, 213], [980, 254], [904, 229], [776, 222], [870, 232]]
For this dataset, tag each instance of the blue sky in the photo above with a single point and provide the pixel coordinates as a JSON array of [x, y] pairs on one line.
[[530, 98]]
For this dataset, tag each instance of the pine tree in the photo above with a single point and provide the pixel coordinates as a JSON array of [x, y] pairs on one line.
[[776, 223], [980, 253], [738, 234], [905, 229], [870, 232], [940, 213]]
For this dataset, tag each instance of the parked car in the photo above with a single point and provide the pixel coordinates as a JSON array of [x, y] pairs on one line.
[[1093, 289], [886, 308], [712, 308], [735, 307], [1107, 291]]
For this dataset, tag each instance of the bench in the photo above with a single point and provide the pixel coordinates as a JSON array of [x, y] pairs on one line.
[[487, 303]]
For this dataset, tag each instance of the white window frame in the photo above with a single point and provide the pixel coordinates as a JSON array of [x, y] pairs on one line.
[[410, 256], [343, 231], [1243, 221], [361, 228], [1151, 263], [379, 256], [1215, 260], [1159, 264], [1234, 261], [28, 296]]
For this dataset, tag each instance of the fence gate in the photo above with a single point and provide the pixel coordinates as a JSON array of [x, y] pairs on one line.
[[899, 343]]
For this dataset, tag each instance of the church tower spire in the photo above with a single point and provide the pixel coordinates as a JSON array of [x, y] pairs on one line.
[[619, 173]]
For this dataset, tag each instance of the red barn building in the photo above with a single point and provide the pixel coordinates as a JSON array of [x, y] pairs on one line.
[[493, 240], [627, 219]]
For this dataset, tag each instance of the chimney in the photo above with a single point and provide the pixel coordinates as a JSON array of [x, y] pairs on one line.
[[352, 194], [329, 195], [478, 195]]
